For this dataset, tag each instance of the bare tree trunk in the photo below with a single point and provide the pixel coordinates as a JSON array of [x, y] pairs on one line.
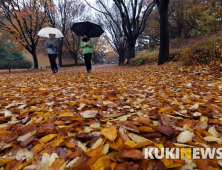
[[131, 50], [35, 59], [32, 51], [95, 58], [164, 31], [121, 57], [76, 60], [60, 52]]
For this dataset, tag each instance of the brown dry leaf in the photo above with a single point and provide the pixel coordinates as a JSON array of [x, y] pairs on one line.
[[89, 114], [71, 144], [13, 165], [133, 154], [144, 121], [110, 133], [104, 120], [213, 132], [178, 163], [213, 139], [137, 138], [73, 163], [166, 130], [112, 105], [6, 136], [57, 164], [145, 129], [47, 138], [97, 143], [97, 151], [39, 147], [185, 136], [4, 161], [101, 163]]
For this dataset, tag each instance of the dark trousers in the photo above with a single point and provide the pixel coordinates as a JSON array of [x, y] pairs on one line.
[[52, 59], [87, 58]]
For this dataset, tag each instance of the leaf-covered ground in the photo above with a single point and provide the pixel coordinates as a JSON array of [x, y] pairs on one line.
[[104, 120]]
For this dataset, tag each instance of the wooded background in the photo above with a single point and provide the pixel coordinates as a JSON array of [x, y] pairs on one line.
[[131, 26]]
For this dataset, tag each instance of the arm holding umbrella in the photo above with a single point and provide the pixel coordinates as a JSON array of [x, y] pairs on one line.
[[83, 44], [56, 44], [52, 42], [90, 43], [48, 44]]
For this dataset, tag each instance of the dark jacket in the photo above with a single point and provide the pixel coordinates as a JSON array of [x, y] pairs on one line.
[[52, 44]]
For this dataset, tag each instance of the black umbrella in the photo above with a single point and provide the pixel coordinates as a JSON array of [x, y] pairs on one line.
[[92, 28]]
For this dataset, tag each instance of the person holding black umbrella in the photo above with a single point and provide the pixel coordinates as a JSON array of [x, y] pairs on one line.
[[87, 45], [87, 29]]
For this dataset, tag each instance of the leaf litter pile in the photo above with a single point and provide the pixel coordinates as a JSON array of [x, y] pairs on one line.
[[106, 119]]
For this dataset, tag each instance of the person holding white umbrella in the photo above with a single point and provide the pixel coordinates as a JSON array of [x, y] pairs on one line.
[[52, 43]]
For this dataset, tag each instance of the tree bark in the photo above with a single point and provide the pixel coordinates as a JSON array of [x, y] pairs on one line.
[[164, 31], [32, 51], [36, 65], [60, 52], [95, 58], [76, 60], [121, 57], [131, 50]]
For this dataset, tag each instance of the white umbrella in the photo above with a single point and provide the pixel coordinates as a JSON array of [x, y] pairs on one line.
[[44, 32]]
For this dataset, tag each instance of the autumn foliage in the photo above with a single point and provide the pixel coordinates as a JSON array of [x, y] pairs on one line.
[[104, 120]]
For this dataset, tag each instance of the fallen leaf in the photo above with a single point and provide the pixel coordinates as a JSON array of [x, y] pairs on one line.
[[137, 138], [24, 137], [73, 163], [110, 133], [185, 136], [213, 139], [89, 114], [132, 154], [167, 130], [213, 132], [97, 143]]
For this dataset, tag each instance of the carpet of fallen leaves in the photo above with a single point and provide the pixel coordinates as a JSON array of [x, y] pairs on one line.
[[104, 120]]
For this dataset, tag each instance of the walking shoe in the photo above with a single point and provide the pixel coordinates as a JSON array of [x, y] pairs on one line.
[[53, 71], [90, 71], [56, 71]]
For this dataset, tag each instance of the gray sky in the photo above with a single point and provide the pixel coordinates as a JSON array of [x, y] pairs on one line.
[[92, 2]]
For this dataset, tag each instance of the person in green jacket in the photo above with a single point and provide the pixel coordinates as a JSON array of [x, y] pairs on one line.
[[87, 45]]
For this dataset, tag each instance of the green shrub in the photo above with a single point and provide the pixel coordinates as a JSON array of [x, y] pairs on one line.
[[24, 64], [144, 57], [15, 64], [8, 51], [138, 61]]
